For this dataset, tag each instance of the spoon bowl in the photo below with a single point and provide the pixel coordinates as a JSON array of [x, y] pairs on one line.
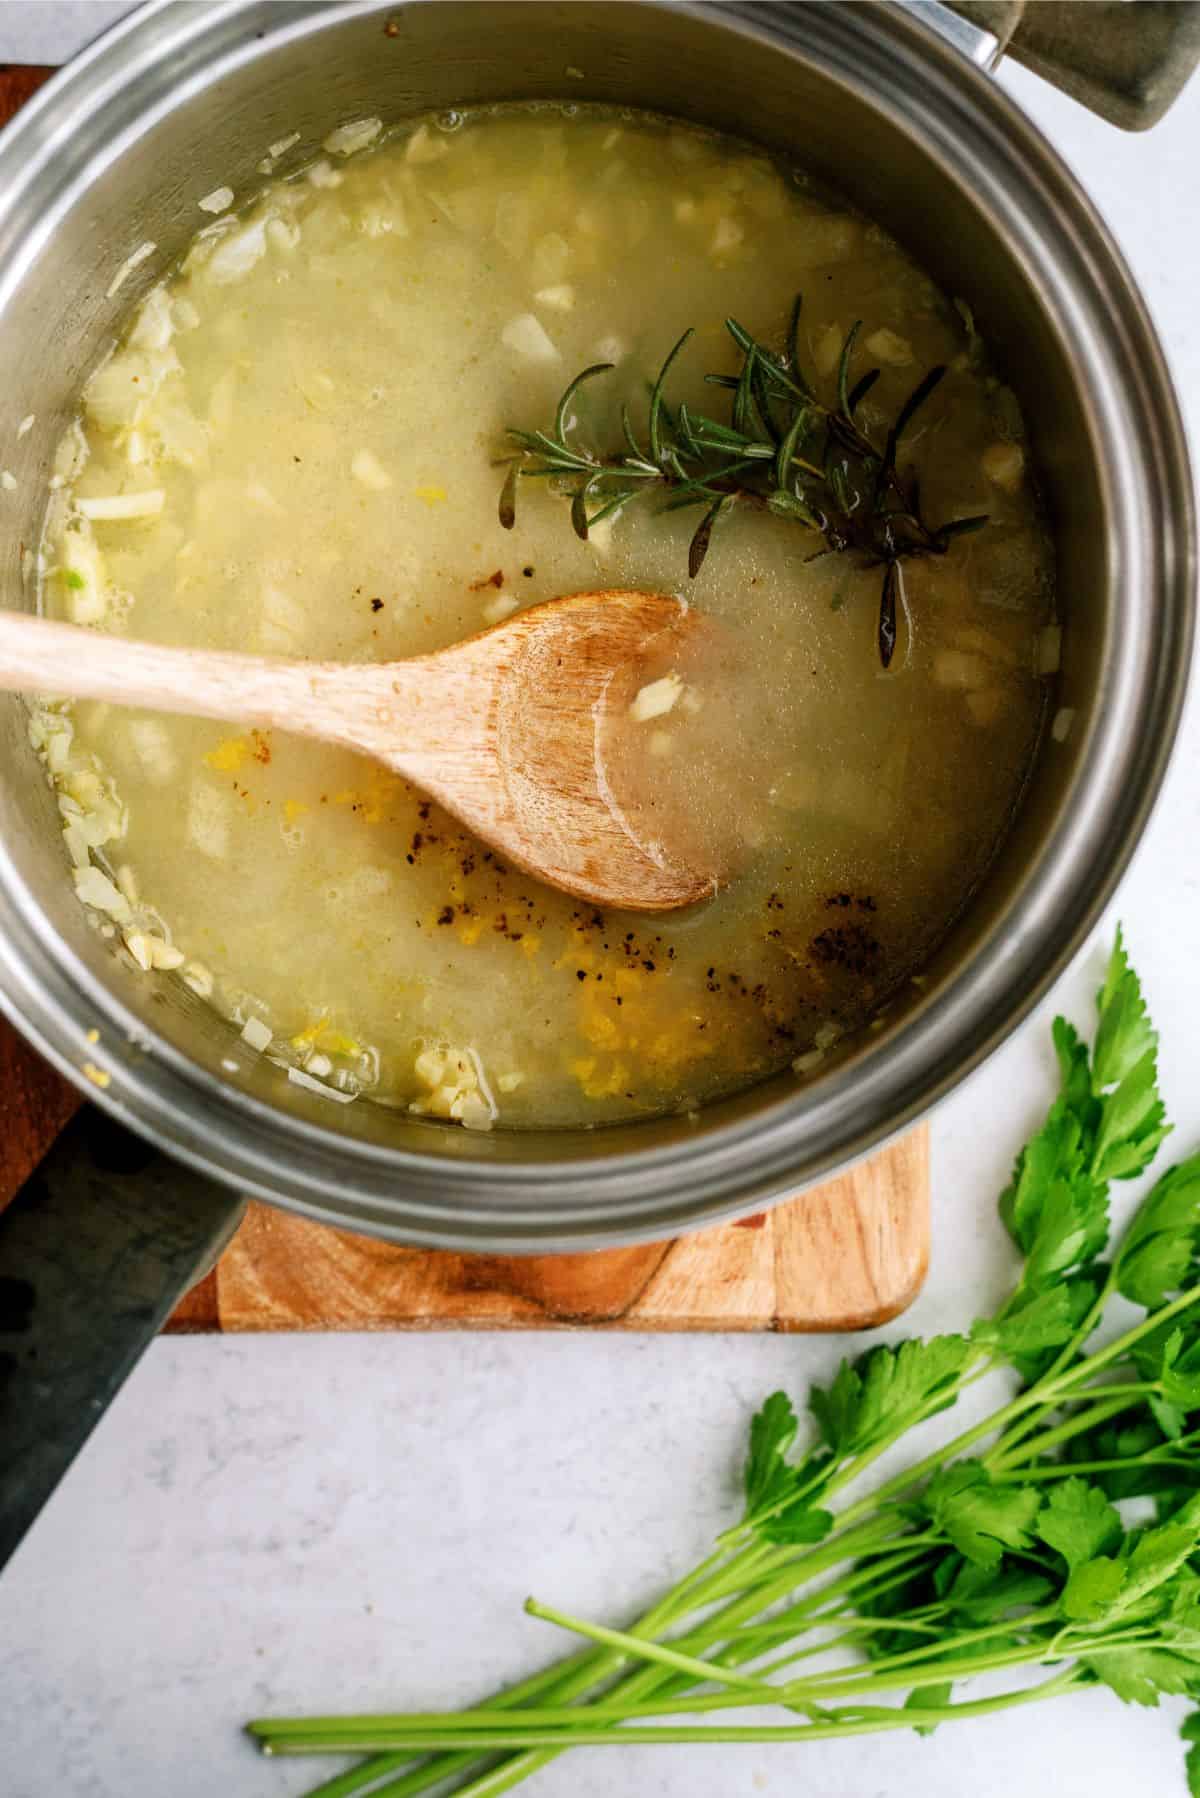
[[506, 730]]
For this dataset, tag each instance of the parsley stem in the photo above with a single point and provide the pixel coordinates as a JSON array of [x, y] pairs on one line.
[[552, 1741], [1010, 1452], [633, 1646]]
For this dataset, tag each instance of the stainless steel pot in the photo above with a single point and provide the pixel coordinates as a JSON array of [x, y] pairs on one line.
[[182, 98]]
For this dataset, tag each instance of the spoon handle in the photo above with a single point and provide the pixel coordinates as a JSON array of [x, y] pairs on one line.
[[39, 655]]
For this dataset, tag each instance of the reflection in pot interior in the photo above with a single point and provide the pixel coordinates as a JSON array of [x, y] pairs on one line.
[[294, 449]]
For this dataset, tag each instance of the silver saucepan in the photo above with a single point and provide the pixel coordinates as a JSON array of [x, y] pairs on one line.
[[115, 152]]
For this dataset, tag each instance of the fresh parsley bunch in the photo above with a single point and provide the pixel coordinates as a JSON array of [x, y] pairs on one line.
[[1012, 1550]]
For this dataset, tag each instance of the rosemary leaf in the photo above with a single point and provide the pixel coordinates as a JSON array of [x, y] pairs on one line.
[[586, 374], [656, 398], [508, 497], [698, 548], [843, 373]]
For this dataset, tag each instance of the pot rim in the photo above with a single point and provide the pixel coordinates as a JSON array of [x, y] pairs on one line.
[[580, 1201]]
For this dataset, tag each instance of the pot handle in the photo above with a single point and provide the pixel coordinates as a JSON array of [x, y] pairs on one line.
[[95, 1249], [1127, 60]]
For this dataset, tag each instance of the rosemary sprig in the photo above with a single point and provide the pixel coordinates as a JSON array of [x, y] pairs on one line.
[[783, 449]]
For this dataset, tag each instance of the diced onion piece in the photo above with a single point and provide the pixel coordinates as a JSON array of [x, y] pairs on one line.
[[152, 746], [298, 1077], [503, 606], [208, 820], [237, 253], [256, 1034], [558, 299], [26, 424], [165, 955], [612, 349], [727, 235], [430, 1067], [1003, 464], [551, 254], [1064, 718], [138, 945], [84, 577], [369, 471], [114, 507], [599, 538], [323, 174], [219, 200], [987, 643], [987, 705], [825, 1036], [656, 699], [526, 336], [97, 890], [827, 348], [820, 240], [8, 480], [118, 392], [472, 1112], [283, 145], [808, 1064], [514, 221], [78, 847], [955, 668], [264, 499], [1048, 651], [155, 325], [200, 979], [382, 221], [283, 234], [888, 346], [424, 146], [356, 135], [132, 261]]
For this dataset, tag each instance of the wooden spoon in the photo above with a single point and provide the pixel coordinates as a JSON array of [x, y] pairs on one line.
[[503, 730]]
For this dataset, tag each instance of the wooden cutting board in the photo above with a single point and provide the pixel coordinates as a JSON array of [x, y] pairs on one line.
[[844, 1256]]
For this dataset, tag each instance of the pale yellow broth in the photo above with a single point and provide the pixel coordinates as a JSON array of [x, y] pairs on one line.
[[320, 394]]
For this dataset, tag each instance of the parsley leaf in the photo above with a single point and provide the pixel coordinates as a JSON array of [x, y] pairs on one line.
[[1093, 1589], [775, 1486], [928, 1698], [772, 1432], [1132, 1123], [1190, 1731], [979, 1518], [1159, 1248], [800, 1522], [1043, 1320], [988, 1594], [1078, 1521], [887, 1389], [1116, 1589], [1124, 1035], [1143, 1675]]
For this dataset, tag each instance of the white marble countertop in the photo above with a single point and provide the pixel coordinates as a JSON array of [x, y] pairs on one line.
[[274, 1524]]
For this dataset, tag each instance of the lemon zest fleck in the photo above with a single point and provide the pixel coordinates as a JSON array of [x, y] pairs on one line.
[[228, 756]]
